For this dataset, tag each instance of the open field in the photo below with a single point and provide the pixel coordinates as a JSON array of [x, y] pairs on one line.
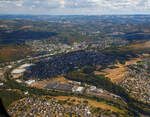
[[43, 83], [12, 52], [118, 73], [139, 46]]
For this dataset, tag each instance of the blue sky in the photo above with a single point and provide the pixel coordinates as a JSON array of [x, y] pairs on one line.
[[75, 7]]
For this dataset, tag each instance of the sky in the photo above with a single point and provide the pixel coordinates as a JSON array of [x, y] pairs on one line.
[[74, 7]]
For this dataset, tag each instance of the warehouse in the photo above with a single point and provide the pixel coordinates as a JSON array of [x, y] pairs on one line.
[[16, 73]]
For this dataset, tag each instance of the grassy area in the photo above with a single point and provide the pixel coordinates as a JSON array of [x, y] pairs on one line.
[[103, 105], [140, 63], [13, 52], [9, 96], [117, 72]]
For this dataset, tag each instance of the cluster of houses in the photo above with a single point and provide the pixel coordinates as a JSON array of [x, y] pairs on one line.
[[54, 48], [45, 107], [137, 81], [62, 64]]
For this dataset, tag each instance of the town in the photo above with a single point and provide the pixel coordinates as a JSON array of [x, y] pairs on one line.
[[49, 107], [59, 66], [137, 81]]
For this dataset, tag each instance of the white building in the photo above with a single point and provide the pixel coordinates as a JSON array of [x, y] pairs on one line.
[[16, 73], [9, 66], [100, 90], [25, 66], [92, 88], [1, 84], [76, 83], [26, 93], [78, 89], [19, 81], [29, 82]]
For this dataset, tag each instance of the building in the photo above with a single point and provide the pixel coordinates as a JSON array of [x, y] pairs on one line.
[[19, 81], [25, 66], [29, 82], [1, 84], [80, 89], [76, 83], [77, 89], [16, 73], [26, 93], [92, 88]]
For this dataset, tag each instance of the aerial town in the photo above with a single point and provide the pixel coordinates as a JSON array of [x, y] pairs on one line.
[[75, 66], [137, 81], [48, 46], [48, 107]]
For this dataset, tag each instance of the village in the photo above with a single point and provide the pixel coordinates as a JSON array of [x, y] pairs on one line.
[[137, 81], [54, 48], [30, 107]]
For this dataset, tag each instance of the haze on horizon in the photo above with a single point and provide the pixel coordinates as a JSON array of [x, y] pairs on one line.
[[74, 7]]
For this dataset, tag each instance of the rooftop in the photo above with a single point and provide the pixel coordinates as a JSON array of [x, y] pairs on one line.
[[18, 71], [25, 66], [79, 89]]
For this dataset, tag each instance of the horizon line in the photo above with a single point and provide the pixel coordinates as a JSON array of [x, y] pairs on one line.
[[75, 14]]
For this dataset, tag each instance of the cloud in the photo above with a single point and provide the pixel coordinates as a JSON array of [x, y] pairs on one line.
[[62, 3], [19, 3], [75, 6]]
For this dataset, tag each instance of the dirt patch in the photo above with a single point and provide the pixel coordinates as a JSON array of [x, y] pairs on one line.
[[118, 73], [26, 27], [3, 26], [139, 46], [43, 83], [11, 52]]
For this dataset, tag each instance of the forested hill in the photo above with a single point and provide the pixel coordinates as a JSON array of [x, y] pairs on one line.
[[69, 29]]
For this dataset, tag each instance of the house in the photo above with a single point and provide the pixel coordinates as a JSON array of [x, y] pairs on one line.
[[1, 84], [9, 66], [29, 82], [26, 93], [76, 83], [19, 81], [77, 89], [92, 88]]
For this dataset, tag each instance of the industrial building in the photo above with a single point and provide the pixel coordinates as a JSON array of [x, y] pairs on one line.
[[16, 73]]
